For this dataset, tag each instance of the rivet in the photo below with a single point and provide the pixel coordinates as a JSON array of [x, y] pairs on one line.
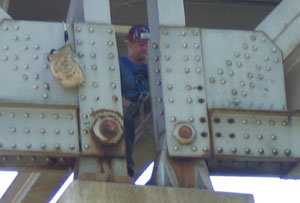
[[61, 160], [274, 151], [205, 149], [261, 151], [42, 131], [273, 137], [239, 64], [55, 116], [252, 37], [223, 81], [188, 87], [5, 47], [247, 56], [218, 134], [212, 80], [15, 38], [26, 48], [186, 70], [260, 77], [113, 85], [79, 42], [196, 45], [86, 146], [19, 158], [250, 75], [97, 98], [220, 149], [14, 145], [92, 42], [195, 33], [111, 55], [42, 115], [159, 100], [46, 66], [36, 76], [220, 71], [12, 115], [266, 58], [26, 115], [197, 58], [32, 159], [234, 92], [232, 135], [269, 68], [110, 31], [27, 130], [252, 85], [45, 96], [85, 116], [271, 122], [80, 54], [165, 32], [158, 83], [287, 152], [173, 119], [15, 68], [91, 29], [171, 100], [242, 83], [71, 132], [47, 159], [236, 54], [85, 131], [246, 136], [154, 45], [245, 121], [71, 146], [4, 58], [43, 146], [27, 37], [78, 29], [247, 150], [254, 48], [228, 62], [5, 28], [95, 84], [230, 73], [185, 58], [189, 100], [183, 33], [233, 150], [245, 46], [198, 70], [175, 147], [169, 86], [92, 55], [166, 45], [191, 119], [184, 45], [37, 47], [284, 123], [13, 130], [194, 148], [16, 57], [156, 58], [244, 94], [94, 67], [260, 136], [202, 119], [161, 113], [56, 131], [276, 60], [57, 146], [82, 97], [274, 50], [258, 122]]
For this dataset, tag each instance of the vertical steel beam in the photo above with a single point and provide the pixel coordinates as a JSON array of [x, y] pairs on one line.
[[97, 11], [75, 12]]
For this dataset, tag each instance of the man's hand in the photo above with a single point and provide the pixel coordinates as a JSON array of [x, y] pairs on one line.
[[126, 103]]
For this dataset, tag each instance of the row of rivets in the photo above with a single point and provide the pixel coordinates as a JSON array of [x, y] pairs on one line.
[[260, 151], [193, 148], [42, 146], [244, 121], [246, 136], [42, 131]]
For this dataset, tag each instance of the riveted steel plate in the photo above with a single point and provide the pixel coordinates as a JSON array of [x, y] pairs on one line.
[[243, 70], [253, 135], [38, 130], [97, 51], [184, 93], [25, 75]]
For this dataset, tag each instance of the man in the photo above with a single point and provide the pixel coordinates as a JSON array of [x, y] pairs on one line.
[[135, 84]]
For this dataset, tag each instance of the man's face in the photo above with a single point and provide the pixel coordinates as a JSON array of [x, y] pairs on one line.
[[138, 50]]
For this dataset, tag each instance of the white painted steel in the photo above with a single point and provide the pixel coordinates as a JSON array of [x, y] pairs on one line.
[[243, 70], [96, 46], [97, 11], [171, 12], [25, 71], [42, 130], [256, 131], [183, 85]]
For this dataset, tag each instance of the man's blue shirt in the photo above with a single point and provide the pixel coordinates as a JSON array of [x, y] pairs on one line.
[[134, 79]]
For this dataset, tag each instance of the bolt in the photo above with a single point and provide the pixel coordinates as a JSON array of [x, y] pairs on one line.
[[247, 150], [71, 146], [287, 152], [246, 136], [205, 149], [194, 148], [176, 148], [261, 151], [57, 146], [233, 150], [274, 151], [260, 136], [220, 149], [43, 146], [42, 131]]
